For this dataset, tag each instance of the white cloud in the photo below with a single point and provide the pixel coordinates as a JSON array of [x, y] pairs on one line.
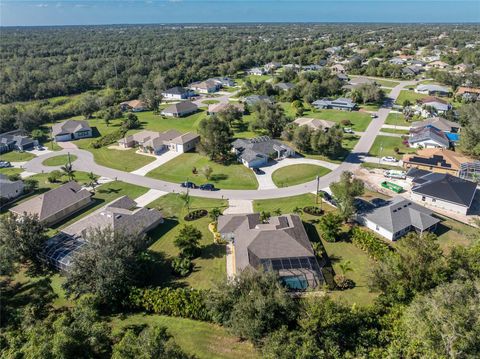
[[41, 5]]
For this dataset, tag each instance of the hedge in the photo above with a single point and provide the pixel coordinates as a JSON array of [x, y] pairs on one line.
[[110, 138], [369, 243], [176, 302], [199, 213]]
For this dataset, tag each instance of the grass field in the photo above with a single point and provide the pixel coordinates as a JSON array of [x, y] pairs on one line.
[[359, 120], [453, 233], [203, 340], [233, 176], [10, 171], [124, 160], [16, 156], [287, 204], [58, 160], [384, 145], [210, 266], [383, 82], [410, 96], [296, 174], [396, 119]]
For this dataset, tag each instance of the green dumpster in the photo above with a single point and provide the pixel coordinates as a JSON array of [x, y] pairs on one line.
[[392, 186]]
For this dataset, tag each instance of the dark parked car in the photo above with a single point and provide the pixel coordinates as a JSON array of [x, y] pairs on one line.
[[188, 185], [258, 171], [207, 187]]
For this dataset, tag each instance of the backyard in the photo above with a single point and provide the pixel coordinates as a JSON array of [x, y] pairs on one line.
[[180, 169], [296, 174], [210, 266], [385, 145]]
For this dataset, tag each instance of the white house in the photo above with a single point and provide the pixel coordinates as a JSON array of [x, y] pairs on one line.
[[397, 218], [177, 93], [444, 191], [71, 130], [428, 137], [431, 89]]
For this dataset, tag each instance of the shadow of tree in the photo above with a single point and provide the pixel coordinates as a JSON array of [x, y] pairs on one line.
[[218, 177], [212, 251]]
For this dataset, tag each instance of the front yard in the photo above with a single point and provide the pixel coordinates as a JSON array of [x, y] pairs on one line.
[[296, 174], [124, 160], [384, 146], [16, 156], [180, 169], [397, 119], [411, 96], [210, 266]]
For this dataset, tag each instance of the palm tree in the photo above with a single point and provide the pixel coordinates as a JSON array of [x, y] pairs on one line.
[[68, 171], [297, 210], [264, 216], [93, 180], [277, 212], [215, 213], [185, 197], [346, 267]]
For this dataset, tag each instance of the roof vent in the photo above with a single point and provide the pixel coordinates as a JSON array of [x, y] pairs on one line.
[[118, 216]]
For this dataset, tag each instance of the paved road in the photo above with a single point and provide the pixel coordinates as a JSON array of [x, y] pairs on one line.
[[85, 162]]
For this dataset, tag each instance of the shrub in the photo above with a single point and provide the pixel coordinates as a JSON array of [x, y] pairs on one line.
[[109, 139], [199, 213], [182, 266], [313, 210], [369, 243], [346, 122], [176, 302], [343, 282]]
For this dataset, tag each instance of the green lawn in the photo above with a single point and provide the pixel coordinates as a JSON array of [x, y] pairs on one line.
[[210, 266], [453, 233], [383, 82], [411, 96], [233, 176], [287, 204], [296, 174], [396, 119], [359, 120], [153, 122], [16, 156], [51, 145], [348, 143], [124, 160], [384, 145], [10, 171], [210, 102], [58, 160], [204, 340]]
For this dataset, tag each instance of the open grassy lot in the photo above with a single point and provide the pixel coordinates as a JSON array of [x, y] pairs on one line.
[[153, 122], [58, 160], [10, 171], [233, 176], [296, 174], [16, 156], [411, 96], [204, 340], [124, 160], [348, 143], [396, 119], [359, 120], [287, 204], [384, 145], [210, 266], [382, 82]]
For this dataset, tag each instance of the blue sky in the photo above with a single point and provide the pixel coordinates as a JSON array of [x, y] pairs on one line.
[[81, 12]]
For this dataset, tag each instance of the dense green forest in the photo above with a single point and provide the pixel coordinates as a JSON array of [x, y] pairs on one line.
[[38, 63]]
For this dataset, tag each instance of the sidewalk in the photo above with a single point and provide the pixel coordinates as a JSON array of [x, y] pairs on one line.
[[160, 160]]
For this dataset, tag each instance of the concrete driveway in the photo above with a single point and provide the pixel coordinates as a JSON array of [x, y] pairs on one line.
[[160, 160]]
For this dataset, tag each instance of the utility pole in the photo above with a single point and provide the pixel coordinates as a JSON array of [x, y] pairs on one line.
[[318, 189]]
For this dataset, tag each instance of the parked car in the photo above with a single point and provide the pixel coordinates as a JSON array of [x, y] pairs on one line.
[[207, 187], [187, 184], [348, 130], [373, 115], [5, 164], [389, 159], [328, 197], [258, 171], [395, 174], [40, 148]]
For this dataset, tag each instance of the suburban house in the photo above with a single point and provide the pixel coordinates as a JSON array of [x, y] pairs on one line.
[[207, 86], [344, 104], [159, 142], [254, 99], [257, 71], [121, 215], [180, 109], [57, 204], [71, 130], [220, 107], [439, 106], [177, 93], [438, 160], [281, 245], [312, 67], [428, 137], [412, 71], [10, 189], [468, 93], [342, 77], [272, 66], [338, 69], [445, 191], [440, 123], [314, 123], [461, 67], [256, 152], [284, 86], [437, 65], [224, 81], [431, 89], [16, 140], [397, 218], [397, 61], [133, 105]]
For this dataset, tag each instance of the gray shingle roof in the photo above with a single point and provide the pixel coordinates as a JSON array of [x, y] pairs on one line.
[[258, 147], [53, 201], [70, 126], [428, 133], [438, 122], [181, 107], [400, 214], [177, 90], [447, 187]]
